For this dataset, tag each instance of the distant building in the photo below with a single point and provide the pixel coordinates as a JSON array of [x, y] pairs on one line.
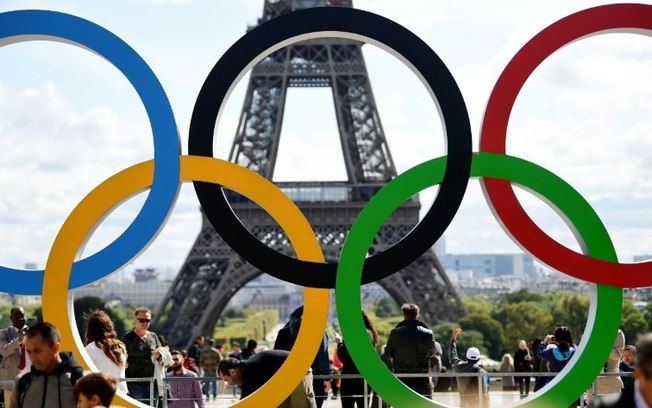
[[490, 265]]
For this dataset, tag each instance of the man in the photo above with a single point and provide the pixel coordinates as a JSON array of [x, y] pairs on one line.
[[183, 393], [639, 393], [209, 360], [468, 387], [194, 351], [411, 347], [251, 374], [142, 346], [627, 365], [320, 365], [53, 374], [12, 348]]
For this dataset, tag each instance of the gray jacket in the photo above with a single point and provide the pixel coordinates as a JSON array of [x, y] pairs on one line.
[[465, 385], [35, 388], [10, 352]]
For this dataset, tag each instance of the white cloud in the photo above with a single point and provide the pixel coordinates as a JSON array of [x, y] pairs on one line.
[[584, 114]]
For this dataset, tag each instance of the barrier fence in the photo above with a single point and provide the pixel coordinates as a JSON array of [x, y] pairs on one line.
[[373, 400]]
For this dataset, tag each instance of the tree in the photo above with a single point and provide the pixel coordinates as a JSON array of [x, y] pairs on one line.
[[85, 304], [572, 311], [387, 307], [522, 295], [632, 322], [491, 329], [477, 303], [523, 321]]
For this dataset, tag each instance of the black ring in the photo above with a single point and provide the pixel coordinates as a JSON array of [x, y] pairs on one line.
[[333, 22]]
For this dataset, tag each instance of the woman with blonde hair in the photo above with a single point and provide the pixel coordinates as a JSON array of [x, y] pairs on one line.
[[104, 348], [507, 366]]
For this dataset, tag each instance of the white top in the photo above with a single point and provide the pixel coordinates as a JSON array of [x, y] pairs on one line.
[[105, 365]]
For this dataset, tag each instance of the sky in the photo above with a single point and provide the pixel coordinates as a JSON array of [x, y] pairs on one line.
[[69, 119]]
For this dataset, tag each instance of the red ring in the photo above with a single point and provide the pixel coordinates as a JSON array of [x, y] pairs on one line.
[[493, 135]]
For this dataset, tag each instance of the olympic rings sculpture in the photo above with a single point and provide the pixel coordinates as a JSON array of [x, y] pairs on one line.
[[497, 170]]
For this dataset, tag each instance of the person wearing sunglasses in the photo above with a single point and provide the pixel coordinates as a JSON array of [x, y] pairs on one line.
[[142, 351]]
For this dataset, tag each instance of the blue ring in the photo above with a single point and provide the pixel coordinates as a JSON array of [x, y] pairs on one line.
[[167, 147]]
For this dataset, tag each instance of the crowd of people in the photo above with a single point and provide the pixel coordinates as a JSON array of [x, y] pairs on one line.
[[141, 365]]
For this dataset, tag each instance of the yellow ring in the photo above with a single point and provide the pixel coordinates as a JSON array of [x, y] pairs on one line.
[[57, 306]]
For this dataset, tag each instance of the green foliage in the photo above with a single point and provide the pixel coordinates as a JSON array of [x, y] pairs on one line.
[[234, 313], [85, 304], [387, 307], [250, 324], [522, 321], [491, 330], [632, 322], [572, 310], [383, 325], [477, 303], [522, 295]]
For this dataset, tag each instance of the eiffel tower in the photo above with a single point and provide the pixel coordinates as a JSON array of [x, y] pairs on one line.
[[213, 272]]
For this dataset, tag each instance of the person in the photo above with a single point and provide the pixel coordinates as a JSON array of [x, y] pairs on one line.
[[104, 348], [143, 349], [250, 350], [638, 393], [12, 350], [236, 352], [609, 384], [523, 364], [95, 390], [436, 364], [183, 393], [188, 364], [411, 346], [251, 374], [561, 350], [285, 340], [195, 349], [49, 382], [352, 390], [209, 360], [507, 366], [335, 376], [627, 364], [539, 366], [468, 387]]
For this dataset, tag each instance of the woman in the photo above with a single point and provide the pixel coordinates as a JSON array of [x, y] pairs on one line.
[[523, 364], [507, 366], [557, 350], [106, 351], [352, 389]]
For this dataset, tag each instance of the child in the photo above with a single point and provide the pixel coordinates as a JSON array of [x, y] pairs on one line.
[[95, 390]]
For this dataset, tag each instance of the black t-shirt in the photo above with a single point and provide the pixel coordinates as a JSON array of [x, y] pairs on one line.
[[257, 370], [139, 354]]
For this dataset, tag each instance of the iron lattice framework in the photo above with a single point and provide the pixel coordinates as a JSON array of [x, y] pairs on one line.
[[213, 273]]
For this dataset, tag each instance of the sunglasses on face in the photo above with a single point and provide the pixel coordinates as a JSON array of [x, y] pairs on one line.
[[144, 320]]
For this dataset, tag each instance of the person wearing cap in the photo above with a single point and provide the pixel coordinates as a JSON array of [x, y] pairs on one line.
[[468, 387]]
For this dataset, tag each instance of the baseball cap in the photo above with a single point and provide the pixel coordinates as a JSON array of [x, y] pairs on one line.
[[472, 353]]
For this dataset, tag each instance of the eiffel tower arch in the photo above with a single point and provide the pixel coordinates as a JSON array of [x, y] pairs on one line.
[[212, 272]]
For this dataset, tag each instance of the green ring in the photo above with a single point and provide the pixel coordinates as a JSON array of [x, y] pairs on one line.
[[606, 302]]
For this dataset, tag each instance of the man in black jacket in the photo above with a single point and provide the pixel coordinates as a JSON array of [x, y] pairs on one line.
[[253, 373], [411, 346]]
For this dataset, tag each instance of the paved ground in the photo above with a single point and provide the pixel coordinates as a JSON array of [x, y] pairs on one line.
[[498, 399]]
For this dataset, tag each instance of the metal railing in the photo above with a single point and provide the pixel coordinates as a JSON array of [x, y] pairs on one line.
[[371, 398]]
